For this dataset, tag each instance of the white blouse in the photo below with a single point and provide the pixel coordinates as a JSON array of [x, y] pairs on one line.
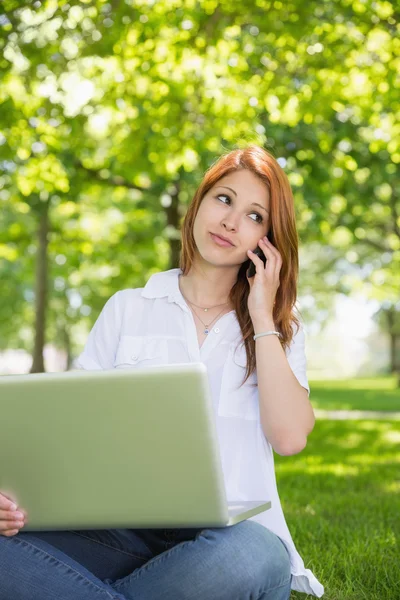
[[154, 325]]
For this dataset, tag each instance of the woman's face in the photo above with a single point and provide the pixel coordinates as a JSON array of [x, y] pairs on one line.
[[240, 214]]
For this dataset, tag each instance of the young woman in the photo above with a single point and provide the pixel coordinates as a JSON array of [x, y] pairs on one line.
[[209, 309]]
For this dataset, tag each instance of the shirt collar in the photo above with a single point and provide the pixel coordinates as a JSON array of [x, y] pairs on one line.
[[164, 284]]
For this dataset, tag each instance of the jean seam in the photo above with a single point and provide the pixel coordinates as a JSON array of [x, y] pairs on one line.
[[65, 565], [138, 572], [86, 537]]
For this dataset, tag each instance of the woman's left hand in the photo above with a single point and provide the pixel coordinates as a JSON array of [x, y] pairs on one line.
[[265, 283]]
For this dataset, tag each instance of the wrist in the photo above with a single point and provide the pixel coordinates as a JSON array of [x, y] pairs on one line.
[[263, 323]]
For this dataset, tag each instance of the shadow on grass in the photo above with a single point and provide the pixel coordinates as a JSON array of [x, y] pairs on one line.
[[356, 394], [341, 500]]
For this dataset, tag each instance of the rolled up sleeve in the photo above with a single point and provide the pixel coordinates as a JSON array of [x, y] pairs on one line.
[[297, 360]]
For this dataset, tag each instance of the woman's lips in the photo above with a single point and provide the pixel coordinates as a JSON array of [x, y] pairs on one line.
[[220, 241]]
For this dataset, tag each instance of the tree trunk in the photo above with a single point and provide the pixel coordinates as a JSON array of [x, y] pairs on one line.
[[67, 347], [173, 218], [394, 342], [394, 358], [41, 289], [392, 352]]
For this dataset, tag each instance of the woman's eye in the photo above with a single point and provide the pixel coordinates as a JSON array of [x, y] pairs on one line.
[[259, 217]]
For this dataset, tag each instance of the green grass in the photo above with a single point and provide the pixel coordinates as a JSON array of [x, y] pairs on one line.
[[341, 498], [378, 393]]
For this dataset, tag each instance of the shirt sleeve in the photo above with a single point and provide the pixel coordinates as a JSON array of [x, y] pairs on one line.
[[296, 357], [101, 346]]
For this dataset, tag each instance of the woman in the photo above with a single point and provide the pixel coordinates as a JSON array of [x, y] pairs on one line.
[[208, 310]]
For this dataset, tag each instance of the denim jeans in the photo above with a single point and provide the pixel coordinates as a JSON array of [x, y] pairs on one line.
[[245, 561]]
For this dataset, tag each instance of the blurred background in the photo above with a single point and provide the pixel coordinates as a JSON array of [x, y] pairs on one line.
[[110, 113]]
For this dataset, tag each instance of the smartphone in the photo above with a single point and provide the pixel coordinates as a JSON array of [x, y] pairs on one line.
[[251, 271]]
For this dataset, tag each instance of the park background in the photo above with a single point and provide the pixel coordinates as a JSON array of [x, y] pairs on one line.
[[111, 112]]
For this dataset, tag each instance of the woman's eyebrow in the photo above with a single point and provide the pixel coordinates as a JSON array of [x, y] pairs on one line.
[[252, 204]]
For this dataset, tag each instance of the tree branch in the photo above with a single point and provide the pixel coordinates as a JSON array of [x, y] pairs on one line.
[[376, 245], [114, 180]]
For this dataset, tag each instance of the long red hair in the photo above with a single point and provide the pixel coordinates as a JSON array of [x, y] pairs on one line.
[[282, 234]]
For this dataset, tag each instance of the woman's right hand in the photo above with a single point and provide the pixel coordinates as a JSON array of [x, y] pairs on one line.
[[12, 518]]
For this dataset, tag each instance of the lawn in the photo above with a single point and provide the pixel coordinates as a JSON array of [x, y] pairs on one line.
[[375, 393], [341, 497]]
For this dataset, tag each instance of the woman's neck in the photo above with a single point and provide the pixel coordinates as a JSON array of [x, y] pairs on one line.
[[207, 289]]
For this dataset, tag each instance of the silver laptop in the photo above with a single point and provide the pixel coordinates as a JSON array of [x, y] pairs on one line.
[[115, 449]]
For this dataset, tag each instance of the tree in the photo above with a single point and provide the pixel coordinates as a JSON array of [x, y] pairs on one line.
[[106, 103]]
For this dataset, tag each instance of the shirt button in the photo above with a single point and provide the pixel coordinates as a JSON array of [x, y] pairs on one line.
[[134, 357], [216, 330]]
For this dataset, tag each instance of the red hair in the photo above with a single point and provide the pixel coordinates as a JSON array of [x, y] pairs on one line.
[[282, 234]]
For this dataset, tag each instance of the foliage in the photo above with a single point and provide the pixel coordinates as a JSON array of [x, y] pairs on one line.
[[111, 112]]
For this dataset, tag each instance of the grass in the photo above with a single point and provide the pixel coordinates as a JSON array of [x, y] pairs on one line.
[[341, 497], [378, 393]]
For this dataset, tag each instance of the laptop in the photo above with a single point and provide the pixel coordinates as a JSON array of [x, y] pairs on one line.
[[117, 448]]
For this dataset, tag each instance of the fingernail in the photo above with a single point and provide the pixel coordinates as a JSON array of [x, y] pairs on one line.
[[13, 507], [19, 515]]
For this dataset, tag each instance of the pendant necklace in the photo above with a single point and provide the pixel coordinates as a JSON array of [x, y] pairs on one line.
[[206, 326], [205, 309]]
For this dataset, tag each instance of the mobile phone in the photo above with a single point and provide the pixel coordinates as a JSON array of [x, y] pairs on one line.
[[251, 271]]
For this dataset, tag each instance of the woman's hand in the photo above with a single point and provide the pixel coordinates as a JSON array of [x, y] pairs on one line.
[[265, 283], [12, 518]]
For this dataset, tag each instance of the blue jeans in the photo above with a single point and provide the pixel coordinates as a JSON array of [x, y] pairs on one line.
[[243, 562]]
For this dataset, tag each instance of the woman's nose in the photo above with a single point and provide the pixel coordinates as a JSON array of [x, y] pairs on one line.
[[230, 224]]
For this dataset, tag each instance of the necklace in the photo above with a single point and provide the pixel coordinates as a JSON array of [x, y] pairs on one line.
[[202, 307], [205, 309], [206, 326]]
